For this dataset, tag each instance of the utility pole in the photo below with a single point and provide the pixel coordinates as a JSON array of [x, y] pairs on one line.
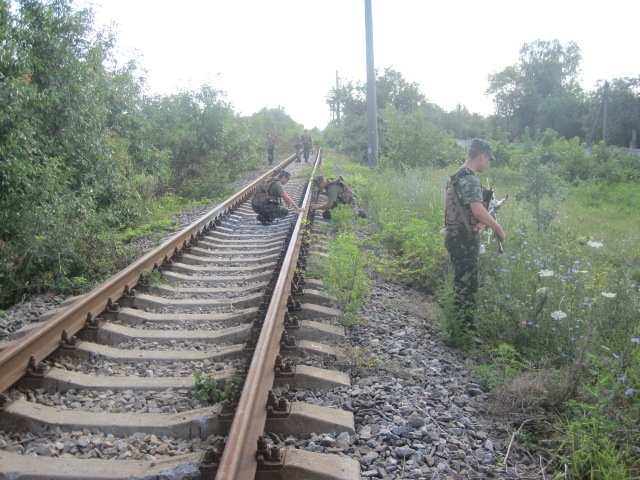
[[372, 107], [337, 99], [602, 107], [605, 112]]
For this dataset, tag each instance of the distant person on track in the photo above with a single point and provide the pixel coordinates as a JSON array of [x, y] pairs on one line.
[[464, 211], [297, 143], [271, 146], [307, 143], [267, 200]]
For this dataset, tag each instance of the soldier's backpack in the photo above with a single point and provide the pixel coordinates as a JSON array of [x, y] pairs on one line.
[[261, 195], [347, 196]]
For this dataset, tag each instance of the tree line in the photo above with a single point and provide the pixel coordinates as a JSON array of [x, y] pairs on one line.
[[87, 153], [539, 93]]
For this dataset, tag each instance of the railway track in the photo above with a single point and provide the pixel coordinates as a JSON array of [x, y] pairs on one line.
[[111, 376]]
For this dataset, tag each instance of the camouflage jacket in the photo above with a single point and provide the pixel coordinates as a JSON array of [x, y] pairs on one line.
[[463, 188]]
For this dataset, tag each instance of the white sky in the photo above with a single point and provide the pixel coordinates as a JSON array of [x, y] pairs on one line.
[[271, 53]]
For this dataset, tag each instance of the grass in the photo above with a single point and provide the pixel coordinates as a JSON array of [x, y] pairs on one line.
[[562, 299]]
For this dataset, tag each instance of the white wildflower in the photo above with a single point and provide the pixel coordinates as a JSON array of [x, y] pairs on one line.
[[608, 294], [594, 244], [546, 273], [542, 292], [558, 315]]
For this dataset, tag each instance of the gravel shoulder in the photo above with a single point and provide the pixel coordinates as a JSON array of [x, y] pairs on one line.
[[419, 408]]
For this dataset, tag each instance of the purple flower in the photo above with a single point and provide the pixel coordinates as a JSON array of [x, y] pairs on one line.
[[622, 379], [635, 340], [629, 391]]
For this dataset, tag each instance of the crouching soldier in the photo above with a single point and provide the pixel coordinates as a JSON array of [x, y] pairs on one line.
[[337, 192], [267, 200]]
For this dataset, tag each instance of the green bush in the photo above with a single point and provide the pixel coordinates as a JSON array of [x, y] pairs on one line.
[[346, 278], [207, 391]]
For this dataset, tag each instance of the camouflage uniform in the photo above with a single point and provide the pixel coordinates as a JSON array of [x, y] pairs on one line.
[[298, 145], [333, 192], [271, 146], [461, 242], [307, 143], [273, 209]]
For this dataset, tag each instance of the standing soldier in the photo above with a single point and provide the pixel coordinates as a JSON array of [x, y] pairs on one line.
[[307, 143], [465, 218], [298, 145], [271, 146]]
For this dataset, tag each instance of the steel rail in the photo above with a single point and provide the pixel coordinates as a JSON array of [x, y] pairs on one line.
[[238, 460], [45, 339]]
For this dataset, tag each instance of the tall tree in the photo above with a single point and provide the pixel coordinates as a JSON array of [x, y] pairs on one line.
[[393, 89], [543, 83], [623, 111]]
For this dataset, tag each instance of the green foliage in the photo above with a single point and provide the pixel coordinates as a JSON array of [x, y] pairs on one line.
[[586, 456], [543, 82], [393, 90], [453, 328], [202, 138], [346, 278], [623, 112], [589, 448], [541, 185], [207, 391], [507, 365], [408, 211], [85, 156], [408, 141], [410, 128], [156, 228]]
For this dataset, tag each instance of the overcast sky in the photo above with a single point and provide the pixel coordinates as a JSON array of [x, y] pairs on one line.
[[285, 53]]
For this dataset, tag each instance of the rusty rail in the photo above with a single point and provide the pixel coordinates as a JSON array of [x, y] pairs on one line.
[[17, 359], [238, 459]]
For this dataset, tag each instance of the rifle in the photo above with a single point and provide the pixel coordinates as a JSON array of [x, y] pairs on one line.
[[494, 206]]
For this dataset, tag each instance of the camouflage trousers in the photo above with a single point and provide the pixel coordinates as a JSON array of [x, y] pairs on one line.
[[464, 254], [271, 211]]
